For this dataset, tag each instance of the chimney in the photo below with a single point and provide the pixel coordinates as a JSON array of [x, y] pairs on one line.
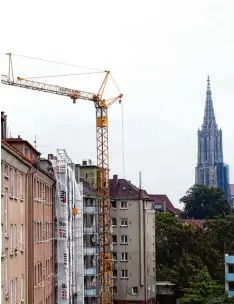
[[3, 125], [115, 179], [50, 156]]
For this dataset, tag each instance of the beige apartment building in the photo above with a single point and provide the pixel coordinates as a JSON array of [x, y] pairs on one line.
[[133, 238]]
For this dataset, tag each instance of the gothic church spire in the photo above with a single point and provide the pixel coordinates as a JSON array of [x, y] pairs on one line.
[[209, 121]]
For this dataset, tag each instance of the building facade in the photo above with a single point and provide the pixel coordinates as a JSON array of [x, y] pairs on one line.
[[211, 170], [229, 275], [87, 175], [14, 172], [35, 219], [133, 238]]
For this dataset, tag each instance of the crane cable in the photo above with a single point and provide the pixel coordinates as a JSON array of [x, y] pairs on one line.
[[56, 62]]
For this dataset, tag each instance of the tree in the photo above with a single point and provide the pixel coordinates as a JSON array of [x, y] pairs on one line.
[[203, 290], [202, 202]]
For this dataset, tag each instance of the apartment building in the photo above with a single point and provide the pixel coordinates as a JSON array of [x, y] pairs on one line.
[[31, 221], [87, 175], [14, 172], [133, 237]]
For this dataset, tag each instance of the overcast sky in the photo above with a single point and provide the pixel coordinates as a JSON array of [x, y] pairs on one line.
[[159, 52]]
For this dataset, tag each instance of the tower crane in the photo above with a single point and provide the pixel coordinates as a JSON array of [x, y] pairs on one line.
[[105, 294]]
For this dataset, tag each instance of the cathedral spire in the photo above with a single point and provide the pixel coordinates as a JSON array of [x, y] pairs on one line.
[[209, 116]]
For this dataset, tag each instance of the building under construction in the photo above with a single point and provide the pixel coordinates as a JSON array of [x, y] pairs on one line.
[[69, 279]]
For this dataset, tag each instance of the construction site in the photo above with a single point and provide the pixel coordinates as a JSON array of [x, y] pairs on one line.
[[103, 228]]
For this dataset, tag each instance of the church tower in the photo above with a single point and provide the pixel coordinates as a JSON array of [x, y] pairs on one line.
[[211, 170]]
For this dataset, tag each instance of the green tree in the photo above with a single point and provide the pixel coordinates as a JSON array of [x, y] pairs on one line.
[[202, 202], [203, 290]]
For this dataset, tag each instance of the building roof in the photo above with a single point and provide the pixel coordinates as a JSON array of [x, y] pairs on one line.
[[124, 189], [15, 152], [194, 223], [20, 140], [162, 198]]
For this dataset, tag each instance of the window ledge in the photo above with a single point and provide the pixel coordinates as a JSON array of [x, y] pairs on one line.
[[15, 198], [11, 196], [123, 243], [124, 261], [6, 176], [124, 278], [123, 225], [22, 200], [3, 255], [12, 253]]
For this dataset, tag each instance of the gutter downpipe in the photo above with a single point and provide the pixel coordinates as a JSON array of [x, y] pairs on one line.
[[26, 222]]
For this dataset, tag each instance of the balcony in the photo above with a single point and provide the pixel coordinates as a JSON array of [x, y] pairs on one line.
[[231, 293], [90, 250], [90, 271], [90, 229], [90, 210], [90, 292], [229, 259], [229, 277]]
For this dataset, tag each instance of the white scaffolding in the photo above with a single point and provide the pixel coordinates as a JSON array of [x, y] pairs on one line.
[[69, 277]]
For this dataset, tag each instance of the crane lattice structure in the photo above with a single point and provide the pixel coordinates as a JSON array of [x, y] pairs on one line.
[[105, 285]]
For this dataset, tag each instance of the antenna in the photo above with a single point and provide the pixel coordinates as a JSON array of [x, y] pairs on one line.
[[35, 141]]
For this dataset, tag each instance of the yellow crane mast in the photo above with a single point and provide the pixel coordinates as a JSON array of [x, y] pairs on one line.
[[105, 294]]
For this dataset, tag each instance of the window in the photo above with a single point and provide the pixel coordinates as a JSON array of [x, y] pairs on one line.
[[124, 257], [124, 273], [21, 234], [231, 286], [22, 287], [114, 256], [124, 239], [12, 300], [15, 236], [6, 171], [16, 281], [21, 186], [231, 268], [114, 273], [11, 238], [35, 275], [134, 290], [113, 204], [11, 182], [113, 221], [2, 239], [47, 231], [124, 205], [6, 271], [115, 290], [6, 210], [38, 232], [15, 183], [114, 239], [124, 222]]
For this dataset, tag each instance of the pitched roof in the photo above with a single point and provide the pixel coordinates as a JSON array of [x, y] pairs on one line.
[[123, 189], [194, 223], [20, 140], [163, 198]]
